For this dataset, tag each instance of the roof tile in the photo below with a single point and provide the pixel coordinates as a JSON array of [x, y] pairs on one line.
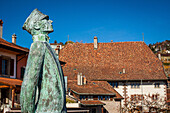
[[109, 59]]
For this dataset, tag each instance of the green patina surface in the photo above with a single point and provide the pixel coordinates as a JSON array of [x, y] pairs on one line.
[[43, 89]]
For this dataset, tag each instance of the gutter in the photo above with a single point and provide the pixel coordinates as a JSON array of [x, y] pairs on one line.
[[92, 93]]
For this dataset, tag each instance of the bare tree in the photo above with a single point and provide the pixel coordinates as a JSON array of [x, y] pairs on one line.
[[145, 103]]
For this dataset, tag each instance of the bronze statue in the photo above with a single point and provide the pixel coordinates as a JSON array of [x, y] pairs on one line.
[[43, 88]]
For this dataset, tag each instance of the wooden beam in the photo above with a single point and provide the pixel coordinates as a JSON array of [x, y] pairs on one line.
[[13, 95], [4, 86], [102, 110]]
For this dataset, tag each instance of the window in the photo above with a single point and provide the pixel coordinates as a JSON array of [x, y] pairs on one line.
[[155, 96], [135, 85], [107, 97], [114, 84], [84, 97], [138, 85], [137, 97], [157, 85], [6, 66], [90, 97], [100, 97], [120, 72], [133, 98], [22, 72], [81, 97]]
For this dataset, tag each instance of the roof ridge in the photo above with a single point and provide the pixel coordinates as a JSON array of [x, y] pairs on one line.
[[77, 43]]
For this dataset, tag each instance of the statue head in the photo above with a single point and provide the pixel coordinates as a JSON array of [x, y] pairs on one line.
[[38, 23]]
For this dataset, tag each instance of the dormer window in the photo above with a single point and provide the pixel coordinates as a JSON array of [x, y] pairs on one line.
[[120, 72]]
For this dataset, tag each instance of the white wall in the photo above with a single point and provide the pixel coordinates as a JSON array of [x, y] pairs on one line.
[[12, 56], [73, 105], [147, 88], [55, 46]]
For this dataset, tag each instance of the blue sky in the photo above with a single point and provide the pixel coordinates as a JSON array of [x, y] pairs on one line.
[[117, 20]]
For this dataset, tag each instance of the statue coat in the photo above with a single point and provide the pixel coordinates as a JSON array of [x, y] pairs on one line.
[[43, 89]]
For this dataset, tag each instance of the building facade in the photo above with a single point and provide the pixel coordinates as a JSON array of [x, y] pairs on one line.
[[131, 68], [12, 61]]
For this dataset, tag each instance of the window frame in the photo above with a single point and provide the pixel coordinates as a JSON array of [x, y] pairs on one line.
[[9, 68]]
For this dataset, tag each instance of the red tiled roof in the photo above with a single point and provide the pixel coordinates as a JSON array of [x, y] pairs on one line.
[[91, 102], [90, 88], [13, 46], [107, 86], [10, 81], [109, 59]]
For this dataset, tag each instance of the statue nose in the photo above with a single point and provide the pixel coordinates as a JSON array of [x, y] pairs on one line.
[[50, 21]]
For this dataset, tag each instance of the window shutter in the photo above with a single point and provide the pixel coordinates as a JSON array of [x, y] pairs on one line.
[[0, 65], [12, 67], [22, 72]]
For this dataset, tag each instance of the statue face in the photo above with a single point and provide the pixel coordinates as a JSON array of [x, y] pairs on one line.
[[47, 27], [43, 26], [38, 23]]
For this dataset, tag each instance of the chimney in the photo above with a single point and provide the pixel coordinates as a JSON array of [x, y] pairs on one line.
[[1, 28], [159, 56], [78, 79], [111, 41], [95, 42], [81, 79], [14, 37], [84, 80], [57, 50], [124, 71]]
